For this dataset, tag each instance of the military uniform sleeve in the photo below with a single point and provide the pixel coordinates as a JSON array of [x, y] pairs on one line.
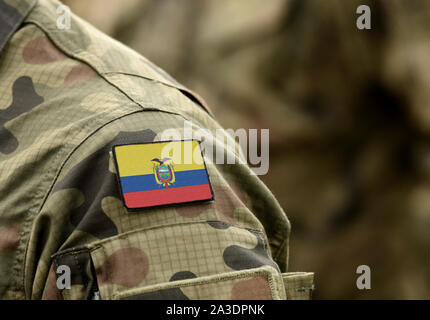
[[79, 241], [233, 247]]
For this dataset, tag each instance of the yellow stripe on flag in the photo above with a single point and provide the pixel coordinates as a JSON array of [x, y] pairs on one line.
[[135, 159]]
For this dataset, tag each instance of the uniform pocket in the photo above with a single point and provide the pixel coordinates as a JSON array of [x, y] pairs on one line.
[[196, 260], [298, 285], [263, 283]]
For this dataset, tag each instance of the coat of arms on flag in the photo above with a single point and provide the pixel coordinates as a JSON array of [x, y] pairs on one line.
[[161, 173]]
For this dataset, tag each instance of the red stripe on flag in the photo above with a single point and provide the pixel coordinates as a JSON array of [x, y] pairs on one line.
[[150, 198]]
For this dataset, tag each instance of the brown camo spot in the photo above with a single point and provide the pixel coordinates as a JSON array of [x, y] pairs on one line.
[[126, 267], [9, 237], [80, 73], [239, 193], [193, 210], [52, 292], [252, 289], [41, 51], [226, 202]]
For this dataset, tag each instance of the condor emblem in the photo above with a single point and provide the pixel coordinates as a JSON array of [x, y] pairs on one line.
[[163, 171]]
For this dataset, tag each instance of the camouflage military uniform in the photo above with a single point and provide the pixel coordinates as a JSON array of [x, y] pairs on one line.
[[68, 96]]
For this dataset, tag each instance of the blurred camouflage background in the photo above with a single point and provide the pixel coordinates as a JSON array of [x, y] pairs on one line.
[[348, 113]]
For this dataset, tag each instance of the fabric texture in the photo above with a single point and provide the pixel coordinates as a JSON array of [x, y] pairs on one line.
[[67, 97]]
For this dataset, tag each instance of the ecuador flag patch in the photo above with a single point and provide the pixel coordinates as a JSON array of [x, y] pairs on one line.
[[161, 173]]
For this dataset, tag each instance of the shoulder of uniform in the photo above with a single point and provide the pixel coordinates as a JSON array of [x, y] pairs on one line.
[[110, 58]]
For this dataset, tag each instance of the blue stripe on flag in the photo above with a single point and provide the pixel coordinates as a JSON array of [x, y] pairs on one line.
[[148, 182]]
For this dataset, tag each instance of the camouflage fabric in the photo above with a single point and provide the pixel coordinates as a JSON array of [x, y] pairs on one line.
[[68, 96], [347, 111]]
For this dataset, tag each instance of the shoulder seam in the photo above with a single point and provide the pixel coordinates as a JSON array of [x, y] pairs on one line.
[[99, 66], [99, 73]]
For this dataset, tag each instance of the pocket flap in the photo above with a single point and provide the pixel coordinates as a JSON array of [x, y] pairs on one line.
[[298, 285], [263, 283]]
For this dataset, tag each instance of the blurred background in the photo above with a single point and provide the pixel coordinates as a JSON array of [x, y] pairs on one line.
[[348, 112]]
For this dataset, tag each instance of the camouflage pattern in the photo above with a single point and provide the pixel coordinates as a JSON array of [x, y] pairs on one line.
[[68, 96], [254, 284], [347, 111]]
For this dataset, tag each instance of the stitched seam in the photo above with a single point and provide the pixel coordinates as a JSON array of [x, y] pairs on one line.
[[20, 266], [224, 277], [109, 273], [132, 232], [280, 250]]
